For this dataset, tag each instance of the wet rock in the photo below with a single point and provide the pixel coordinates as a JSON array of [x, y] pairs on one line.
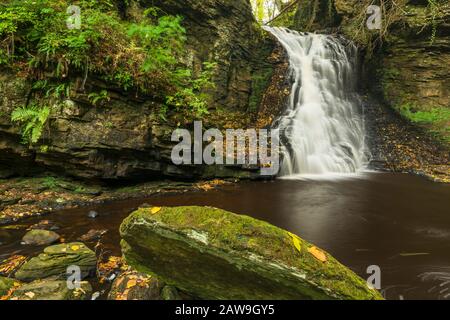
[[5, 236], [52, 290], [93, 234], [133, 285], [40, 237], [44, 225], [214, 254], [55, 260], [170, 293], [6, 284], [92, 191], [6, 173], [93, 214], [9, 201], [95, 295]]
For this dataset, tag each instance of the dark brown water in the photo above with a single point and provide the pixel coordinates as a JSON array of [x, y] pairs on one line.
[[396, 221]]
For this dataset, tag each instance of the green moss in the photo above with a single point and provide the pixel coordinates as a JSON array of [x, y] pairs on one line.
[[5, 285], [54, 260], [260, 81], [287, 19], [222, 235], [435, 119]]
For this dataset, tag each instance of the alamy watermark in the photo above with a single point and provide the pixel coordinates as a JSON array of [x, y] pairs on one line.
[[241, 147], [374, 280], [74, 20], [374, 22], [73, 277]]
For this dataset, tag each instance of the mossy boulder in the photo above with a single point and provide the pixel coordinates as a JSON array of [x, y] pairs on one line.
[[52, 290], [214, 254], [55, 260], [170, 293], [40, 237], [6, 284]]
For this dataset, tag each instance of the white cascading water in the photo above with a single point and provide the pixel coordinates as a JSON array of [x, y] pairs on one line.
[[322, 130]]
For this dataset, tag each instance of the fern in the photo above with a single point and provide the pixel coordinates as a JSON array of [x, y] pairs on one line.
[[32, 119], [95, 97], [434, 9]]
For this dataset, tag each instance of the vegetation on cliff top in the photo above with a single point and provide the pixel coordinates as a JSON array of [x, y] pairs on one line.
[[139, 55]]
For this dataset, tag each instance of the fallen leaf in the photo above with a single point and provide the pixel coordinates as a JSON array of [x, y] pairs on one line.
[[75, 248], [11, 264], [131, 283], [318, 254], [30, 294], [296, 241], [155, 210]]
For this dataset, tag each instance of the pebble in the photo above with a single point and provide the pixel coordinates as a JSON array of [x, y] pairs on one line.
[[95, 295], [111, 277], [93, 214], [44, 225]]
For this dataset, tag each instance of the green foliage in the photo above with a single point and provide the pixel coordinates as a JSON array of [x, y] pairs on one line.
[[55, 90], [143, 56], [101, 96], [50, 182], [191, 91], [436, 120], [433, 6], [259, 84], [436, 114], [162, 42], [32, 119]]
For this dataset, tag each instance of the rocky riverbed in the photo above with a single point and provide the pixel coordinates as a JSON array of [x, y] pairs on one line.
[[25, 197], [185, 253]]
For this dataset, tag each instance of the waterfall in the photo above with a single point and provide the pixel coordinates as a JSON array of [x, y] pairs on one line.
[[322, 130]]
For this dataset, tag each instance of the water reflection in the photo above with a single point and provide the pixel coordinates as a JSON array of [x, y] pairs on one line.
[[398, 222]]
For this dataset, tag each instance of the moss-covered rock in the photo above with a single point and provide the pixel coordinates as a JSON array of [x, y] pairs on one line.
[[55, 260], [170, 293], [214, 254], [52, 290], [40, 237], [5, 285]]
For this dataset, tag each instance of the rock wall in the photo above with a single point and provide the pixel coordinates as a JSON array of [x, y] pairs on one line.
[[126, 139]]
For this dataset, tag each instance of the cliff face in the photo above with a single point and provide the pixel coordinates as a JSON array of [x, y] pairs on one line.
[[416, 63], [125, 138], [225, 31]]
